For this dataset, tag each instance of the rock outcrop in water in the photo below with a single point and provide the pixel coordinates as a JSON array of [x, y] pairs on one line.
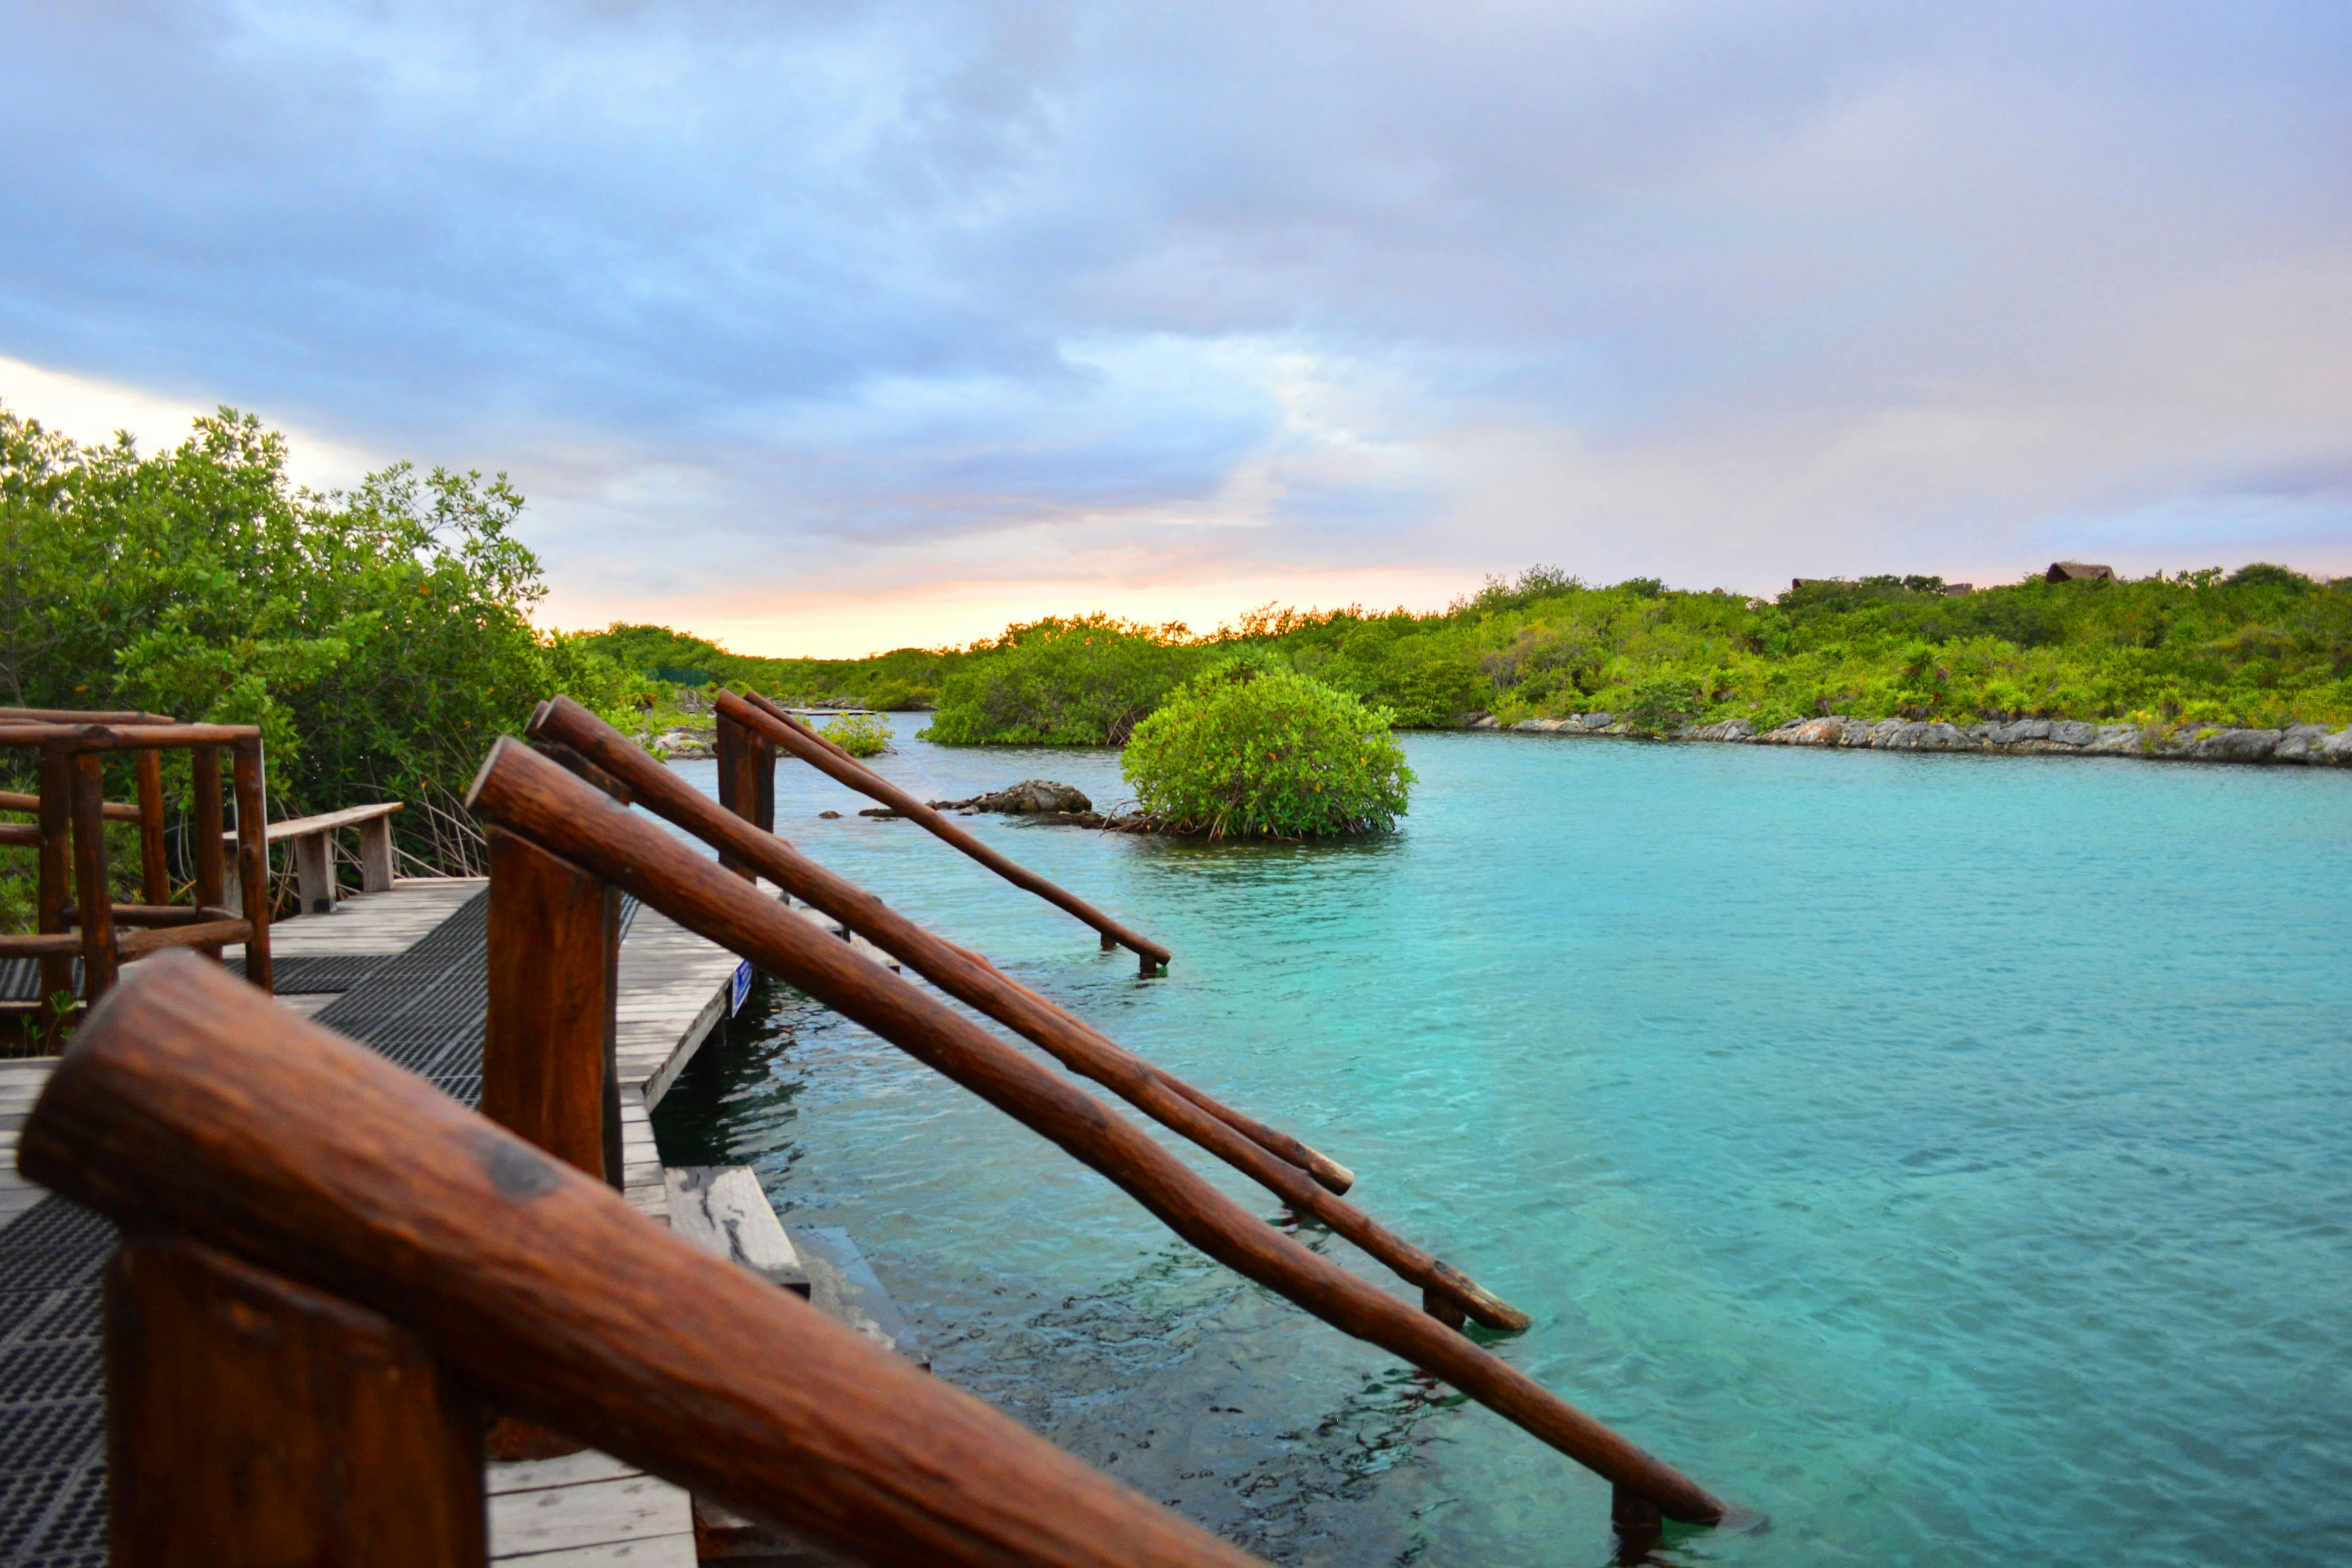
[[2306, 744], [1030, 797]]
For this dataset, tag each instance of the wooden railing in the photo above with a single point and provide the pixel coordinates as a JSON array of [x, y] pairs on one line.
[[532, 798], [78, 912], [750, 727], [329, 1268]]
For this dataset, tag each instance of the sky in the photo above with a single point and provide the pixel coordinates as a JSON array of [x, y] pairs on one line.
[[828, 328]]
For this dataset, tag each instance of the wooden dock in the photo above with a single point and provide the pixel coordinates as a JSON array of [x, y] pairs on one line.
[[587, 1510]]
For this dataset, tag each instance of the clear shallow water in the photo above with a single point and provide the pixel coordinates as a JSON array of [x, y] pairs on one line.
[[1951, 1157]]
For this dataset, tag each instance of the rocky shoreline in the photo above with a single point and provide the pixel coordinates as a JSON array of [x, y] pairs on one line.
[[2309, 745]]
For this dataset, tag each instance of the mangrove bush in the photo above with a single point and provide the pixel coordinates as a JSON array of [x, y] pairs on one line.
[[1249, 750]]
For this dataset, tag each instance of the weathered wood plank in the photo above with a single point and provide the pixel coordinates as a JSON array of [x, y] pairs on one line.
[[721, 1209], [590, 1513]]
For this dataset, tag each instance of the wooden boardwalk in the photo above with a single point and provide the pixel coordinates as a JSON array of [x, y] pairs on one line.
[[587, 1510]]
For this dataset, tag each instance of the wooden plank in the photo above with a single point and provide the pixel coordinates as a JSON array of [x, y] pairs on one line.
[[328, 821], [384, 923], [649, 1551], [590, 1513], [721, 1209], [20, 1085]]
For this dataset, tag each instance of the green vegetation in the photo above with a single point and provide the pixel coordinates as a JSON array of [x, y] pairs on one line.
[[378, 636], [1083, 682], [1249, 750], [2263, 646], [909, 677], [859, 734]]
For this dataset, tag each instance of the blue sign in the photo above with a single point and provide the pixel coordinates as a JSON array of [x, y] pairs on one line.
[[741, 988]]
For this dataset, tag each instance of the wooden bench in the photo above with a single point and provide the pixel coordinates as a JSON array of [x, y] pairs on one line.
[[313, 839]]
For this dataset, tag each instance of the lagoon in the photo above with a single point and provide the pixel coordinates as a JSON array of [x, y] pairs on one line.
[[1950, 1156]]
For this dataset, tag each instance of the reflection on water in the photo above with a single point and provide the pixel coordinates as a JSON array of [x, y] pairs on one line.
[[1943, 1155]]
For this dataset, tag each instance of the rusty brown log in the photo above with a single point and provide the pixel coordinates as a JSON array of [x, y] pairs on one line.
[[204, 813], [126, 737], [44, 945], [822, 754], [522, 791], [251, 1420], [154, 874], [252, 856], [973, 980], [16, 800], [55, 869], [86, 781], [209, 934], [21, 834], [159, 915], [72, 716], [192, 1104]]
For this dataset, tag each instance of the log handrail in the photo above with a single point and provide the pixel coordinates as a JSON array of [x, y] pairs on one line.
[[1265, 1156], [16, 800], [830, 759], [190, 1105], [118, 737], [530, 795], [79, 716]]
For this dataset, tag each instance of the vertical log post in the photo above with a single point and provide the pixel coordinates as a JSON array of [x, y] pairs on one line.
[[738, 789], [86, 772], [154, 873], [763, 770], [548, 1072], [253, 857], [376, 868], [548, 1069], [56, 875], [251, 1420], [314, 872], [211, 865]]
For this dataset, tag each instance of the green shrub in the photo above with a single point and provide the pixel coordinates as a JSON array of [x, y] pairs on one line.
[[1247, 752], [1082, 682], [859, 734], [378, 637]]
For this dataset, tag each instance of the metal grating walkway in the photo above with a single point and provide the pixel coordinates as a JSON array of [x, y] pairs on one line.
[[423, 1008]]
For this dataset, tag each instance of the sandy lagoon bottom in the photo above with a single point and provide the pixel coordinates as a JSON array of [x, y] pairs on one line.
[[1950, 1156]]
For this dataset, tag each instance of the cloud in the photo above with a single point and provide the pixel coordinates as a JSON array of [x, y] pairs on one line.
[[971, 309]]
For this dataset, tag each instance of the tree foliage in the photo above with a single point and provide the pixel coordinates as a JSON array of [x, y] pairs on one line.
[[1087, 682], [378, 637], [859, 734], [1249, 750]]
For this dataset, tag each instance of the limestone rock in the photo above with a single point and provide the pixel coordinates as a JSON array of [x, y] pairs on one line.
[[1030, 797]]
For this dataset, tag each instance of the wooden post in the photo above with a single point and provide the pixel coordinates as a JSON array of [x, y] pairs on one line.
[[547, 1048], [314, 872], [251, 1421], [763, 770], [86, 772], [154, 872], [211, 867], [737, 788], [377, 867], [56, 873], [252, 856]]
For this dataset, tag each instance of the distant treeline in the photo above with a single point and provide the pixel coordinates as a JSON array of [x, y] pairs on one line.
[[2262, 646]]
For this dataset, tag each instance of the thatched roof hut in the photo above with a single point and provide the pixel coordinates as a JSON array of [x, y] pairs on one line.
[[2078, 571]]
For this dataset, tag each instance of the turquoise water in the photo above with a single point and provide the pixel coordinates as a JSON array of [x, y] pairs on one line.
[[1951, 1157]]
